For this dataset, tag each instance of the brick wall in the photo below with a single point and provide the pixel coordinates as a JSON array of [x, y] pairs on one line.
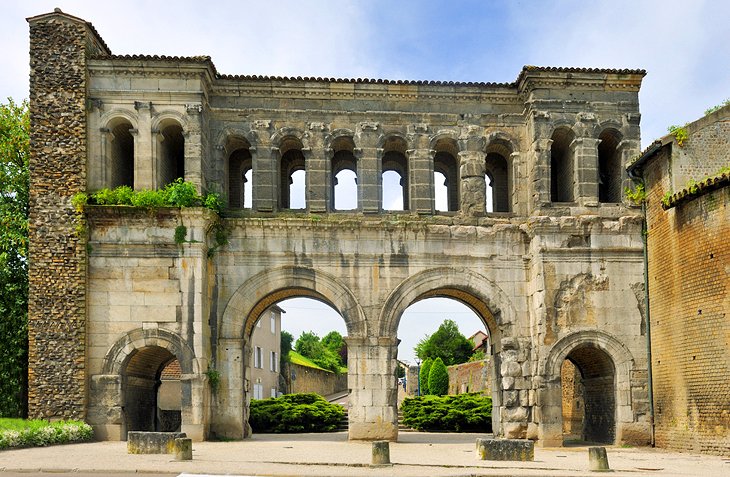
[[689, 285], [57, 267]]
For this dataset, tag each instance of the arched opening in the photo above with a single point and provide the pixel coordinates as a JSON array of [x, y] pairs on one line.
[[562, 180], [469, 343], [588, 384], [395, 174], [141, 381], [121, 170], [298, 346], [171, 160], [239, 179], [344, 175], [497, 180], [610, 172], [446, 175], [293, 175]]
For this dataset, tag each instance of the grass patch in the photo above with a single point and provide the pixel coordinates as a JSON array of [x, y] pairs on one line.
[[39, 433]]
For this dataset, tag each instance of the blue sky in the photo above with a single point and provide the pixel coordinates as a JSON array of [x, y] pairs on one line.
[[684, 46]]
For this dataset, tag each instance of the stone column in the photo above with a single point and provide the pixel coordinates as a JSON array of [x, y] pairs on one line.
[[420, 171], [229, 402], [473, 191], [195, 406], [370, 162], [585, 156], [373, 410], [516, 385], [144, 176], [317, 163], [105, 414], [265, 165], [194, 146], [539, 174]]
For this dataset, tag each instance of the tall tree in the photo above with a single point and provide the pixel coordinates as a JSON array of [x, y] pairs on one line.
[[14, 185], [336, 343], [446, 343], [309, 345], [423, 376], [438, 378]]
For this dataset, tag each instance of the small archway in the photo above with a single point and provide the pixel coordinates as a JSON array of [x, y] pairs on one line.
[[171, 153], [344, 174], [293, 175], [240, 182], [497, 174], [600, 367], [562, 176], [140, 383], [395, 174], [446, 175], [121, 160], [610, 172]]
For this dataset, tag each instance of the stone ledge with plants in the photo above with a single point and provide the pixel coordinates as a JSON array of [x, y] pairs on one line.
[[17, 433]]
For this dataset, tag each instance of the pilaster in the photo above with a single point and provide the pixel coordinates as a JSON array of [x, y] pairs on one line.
[[420, 168], [370, 159]]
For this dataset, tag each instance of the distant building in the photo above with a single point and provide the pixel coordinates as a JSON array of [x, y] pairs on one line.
[[266, 349], [481, 341]]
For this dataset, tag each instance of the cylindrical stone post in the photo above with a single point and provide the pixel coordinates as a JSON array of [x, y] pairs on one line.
[[597, 459], [381, 453], [183, 448]]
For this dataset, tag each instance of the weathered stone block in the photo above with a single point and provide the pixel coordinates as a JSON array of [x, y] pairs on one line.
[[139, 442], [506, 449], [183, 448]]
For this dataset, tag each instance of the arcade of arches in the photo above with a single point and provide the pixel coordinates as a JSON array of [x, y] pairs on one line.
[[554, 268]]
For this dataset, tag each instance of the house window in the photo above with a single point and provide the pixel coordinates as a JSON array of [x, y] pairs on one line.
[[273, 392], [258, 357], [273, 362], [258, 391], [273, 322]]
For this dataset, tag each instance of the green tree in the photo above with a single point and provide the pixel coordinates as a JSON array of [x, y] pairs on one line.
[[446, 343], [310, 346], [423, 375], [285, 343], [334, 342], [14, 185], [438, 378]]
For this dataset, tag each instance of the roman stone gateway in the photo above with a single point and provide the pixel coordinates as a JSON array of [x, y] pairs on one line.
[[552, 262]]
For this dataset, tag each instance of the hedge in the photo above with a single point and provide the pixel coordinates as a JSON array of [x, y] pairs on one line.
[[471, 412], [39, 433], [303, 412]]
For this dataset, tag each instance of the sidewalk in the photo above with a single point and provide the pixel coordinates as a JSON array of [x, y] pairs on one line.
[[416, 454]]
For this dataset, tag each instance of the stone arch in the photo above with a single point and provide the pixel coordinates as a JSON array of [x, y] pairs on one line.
[[120, 353], [394, 163], [604, 360], [445, 148], [231, 139], [498, 170], [118, 146], [286, 138], [171, 130], [610, 168], [562, 167], [127, 388], [237, 147], [480, 293], [271, 286], [343, 166]]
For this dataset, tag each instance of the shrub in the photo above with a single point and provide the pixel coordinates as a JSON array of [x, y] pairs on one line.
[[304, 412], [423, 375], [177, 194], [470, 412], [438, 378], [182, 194], [35, 433]]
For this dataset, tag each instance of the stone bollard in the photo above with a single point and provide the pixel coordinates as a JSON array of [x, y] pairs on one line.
[[183, 448], [381, 453], [597, 459]]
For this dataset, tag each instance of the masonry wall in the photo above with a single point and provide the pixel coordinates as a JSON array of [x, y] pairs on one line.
[[312, 380], [474, 377], [689, 255], [57, 251]]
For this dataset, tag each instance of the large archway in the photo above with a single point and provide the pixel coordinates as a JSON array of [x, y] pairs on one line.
[[258, 294], [477, 292]]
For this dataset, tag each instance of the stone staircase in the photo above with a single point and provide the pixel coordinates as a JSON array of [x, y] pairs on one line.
[[344, 424], [402, 427]]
